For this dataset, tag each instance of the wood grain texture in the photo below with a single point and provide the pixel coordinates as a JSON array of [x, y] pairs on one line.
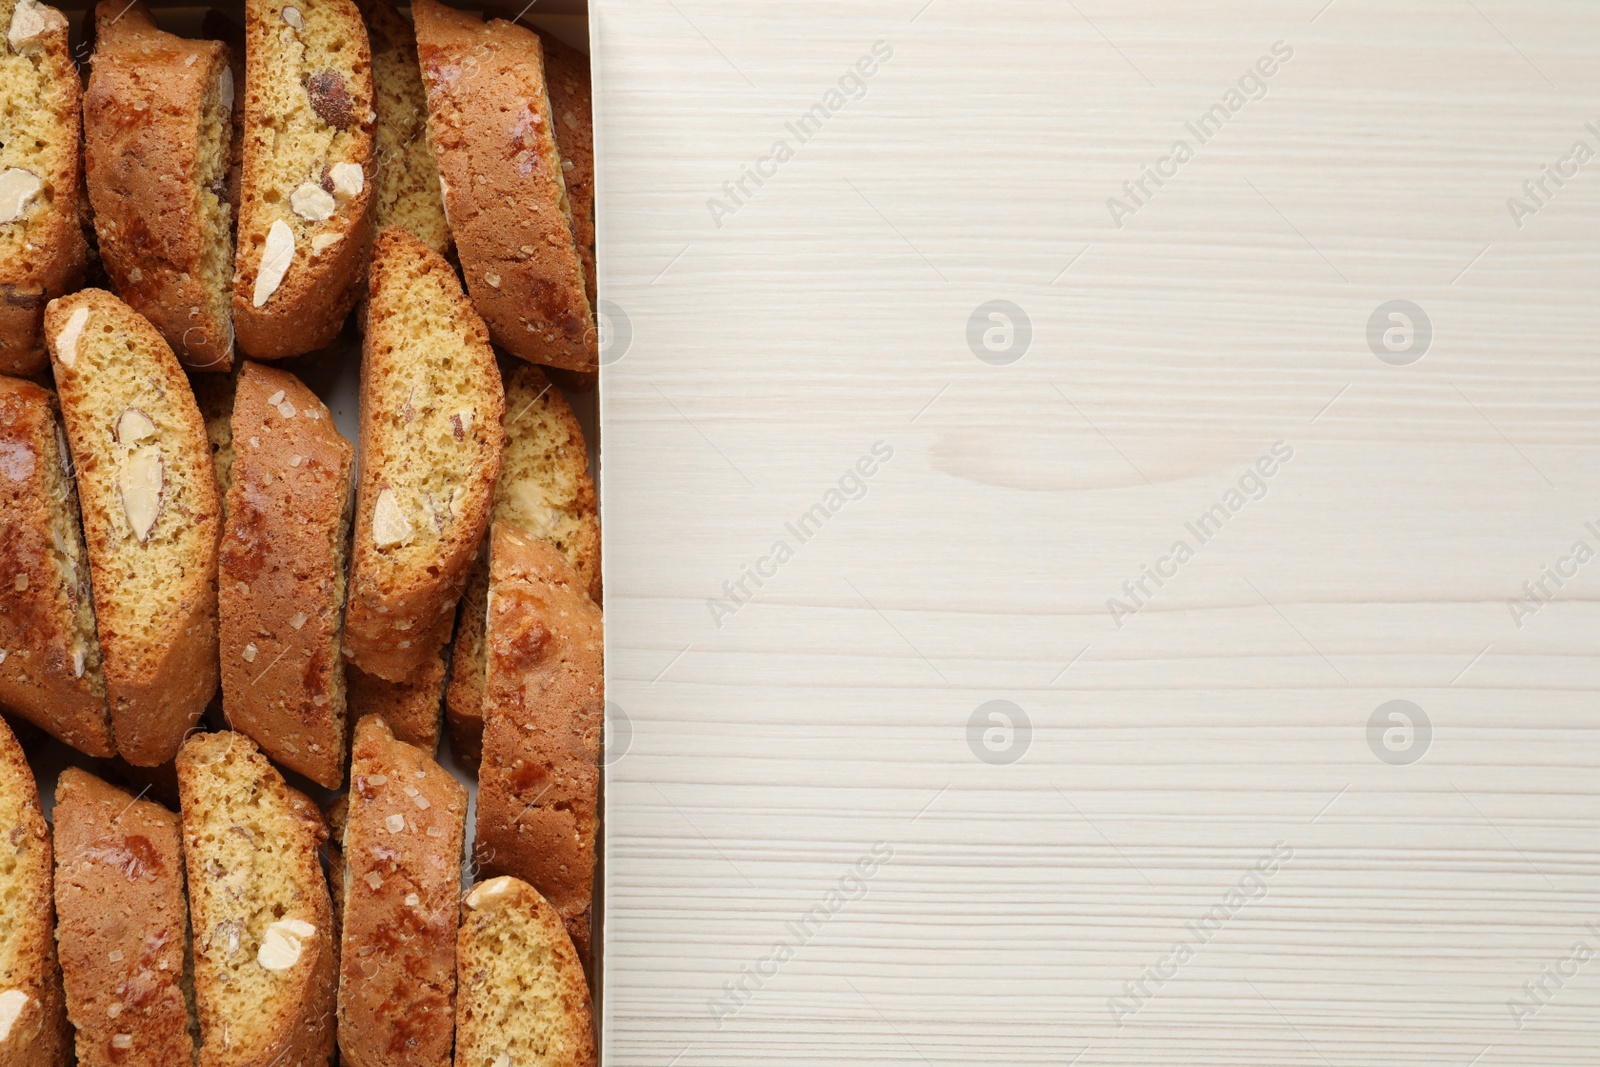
[[773, 747]]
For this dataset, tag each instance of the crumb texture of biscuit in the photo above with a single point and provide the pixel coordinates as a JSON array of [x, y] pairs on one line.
[[431, 406], [123, 922], [490, 121], [264, 972], [411, 708], [544, 704], [42, 248], [544, 489], [402, 851], [218, 25], [33, 1016], [148, 492], [523, 1000], [49, 655], [158, 120], [407, 181], [305, 199], [281, 574]]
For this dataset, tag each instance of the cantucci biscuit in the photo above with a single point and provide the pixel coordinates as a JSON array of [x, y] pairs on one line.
[[522, 998], [402, 898], [33, 1017], [543, 704], [157, 123], [281, 574], [264, 972], [148, 492], [42, 249], [123, 923], [490, 122], [431, 405], [305, 199], [49, 654]]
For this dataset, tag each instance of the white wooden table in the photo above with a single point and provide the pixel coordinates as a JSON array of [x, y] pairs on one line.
[[1069, 891]]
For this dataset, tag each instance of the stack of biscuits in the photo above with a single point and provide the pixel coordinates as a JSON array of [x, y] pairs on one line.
[[241, 629]]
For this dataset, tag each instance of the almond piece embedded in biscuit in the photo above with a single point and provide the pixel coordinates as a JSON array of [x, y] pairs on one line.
[[225, 88], [389, 524], [292, 16], [330, 99], [347, 179], [275, 259], [281, 946], [488, 896], [29, 22], [12, 1001], [18, 187], [312, 202], [139, 483], [134, 426], [70, 337]]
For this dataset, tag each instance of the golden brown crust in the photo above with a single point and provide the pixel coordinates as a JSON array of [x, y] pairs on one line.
[[50, 668], [160, 658], [281, 574], [402, 843], [490, 120], [123, 920], [403, 593], [521, 979], [411, 707], [571, 89], [39, 1036], [544, 701], [143, 119], [43, 253], [228, 934], [307, 308]]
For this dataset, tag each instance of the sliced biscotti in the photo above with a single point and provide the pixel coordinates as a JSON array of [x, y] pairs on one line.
[[490, 121], [402, 854], [33, 1017], [281, 574], [304, 200], [148, 492], [523, 999], [431, 405], [544, 489], [157, 121], [411, 708], [264, 973], [571, 88], [123, 923], [42, 250], [407, 184], [544, 702], [49, 655]]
